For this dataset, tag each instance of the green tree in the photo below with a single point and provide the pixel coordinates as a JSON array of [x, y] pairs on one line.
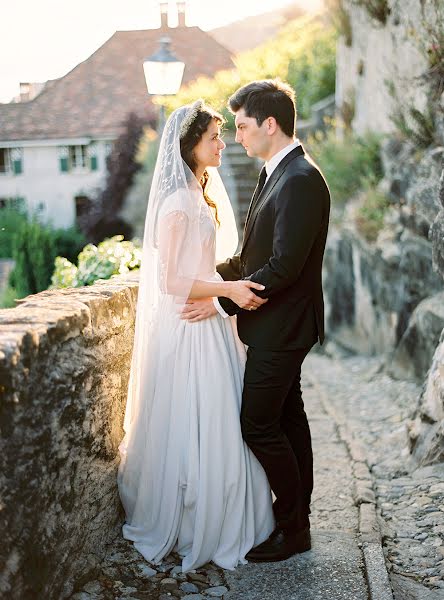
[[10, 221], [34, 249], [303, 52], [34, 252]]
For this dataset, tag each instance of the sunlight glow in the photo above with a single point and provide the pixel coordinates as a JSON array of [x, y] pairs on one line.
[[44, 39]]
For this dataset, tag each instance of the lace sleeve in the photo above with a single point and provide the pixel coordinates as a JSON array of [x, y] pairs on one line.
[[172, 235]]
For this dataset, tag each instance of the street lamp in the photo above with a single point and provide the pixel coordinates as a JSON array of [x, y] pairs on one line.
[[163, 74]]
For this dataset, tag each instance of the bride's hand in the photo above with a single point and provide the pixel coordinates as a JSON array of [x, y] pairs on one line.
[[241, 293]]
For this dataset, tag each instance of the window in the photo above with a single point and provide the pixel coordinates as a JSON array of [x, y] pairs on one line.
[[11, 161], [83, 206], [77, 158], [4, 160], [15, 203]]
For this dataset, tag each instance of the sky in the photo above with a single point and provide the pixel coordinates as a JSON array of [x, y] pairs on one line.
[[44, 39]]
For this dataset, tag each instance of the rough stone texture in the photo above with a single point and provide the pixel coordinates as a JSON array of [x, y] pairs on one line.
[[376, 410], [330, 570], [379, 54], [414, 353], [372, 290], [411, 177], [334, 568], [437, 232], [427, 429], [64, 366]]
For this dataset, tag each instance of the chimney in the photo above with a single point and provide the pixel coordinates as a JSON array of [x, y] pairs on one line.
[[163, 15], [25, 89], [181, 11]]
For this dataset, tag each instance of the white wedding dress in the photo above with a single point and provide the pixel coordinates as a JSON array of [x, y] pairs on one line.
[[187, 480]]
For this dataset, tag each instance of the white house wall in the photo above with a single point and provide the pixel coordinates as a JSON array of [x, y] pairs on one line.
[[47, 190]]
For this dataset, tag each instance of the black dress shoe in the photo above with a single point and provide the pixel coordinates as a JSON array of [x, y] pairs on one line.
[[281, 545]]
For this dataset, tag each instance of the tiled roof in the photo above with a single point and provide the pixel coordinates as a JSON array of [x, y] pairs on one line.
[[94, 98]]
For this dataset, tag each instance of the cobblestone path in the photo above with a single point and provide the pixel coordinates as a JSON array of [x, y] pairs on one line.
[[359, 422], [375, 410]]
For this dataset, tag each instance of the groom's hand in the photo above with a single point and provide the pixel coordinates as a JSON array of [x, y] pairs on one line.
[[198, 310]]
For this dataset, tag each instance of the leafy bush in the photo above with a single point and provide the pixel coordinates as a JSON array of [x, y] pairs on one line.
[[348, 164], [113, 256], [35, 247], [68, 242], [7, 297], [10, 222], [312, 73], [33, 252], [303, 53], [369, 217]]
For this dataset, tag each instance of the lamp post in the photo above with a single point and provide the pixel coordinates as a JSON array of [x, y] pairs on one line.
[[163, 74]]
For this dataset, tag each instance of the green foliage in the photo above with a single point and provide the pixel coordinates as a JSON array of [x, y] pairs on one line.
[[68, 242], [33, 252], [377, 9], [111, 257], [340, 19], [416, 126], [147, 152], [303, 53], [429, 38], [34, 248], [348, 164], [7, 297], [370, 215], [311, 74], [421, 126], [11, 220]]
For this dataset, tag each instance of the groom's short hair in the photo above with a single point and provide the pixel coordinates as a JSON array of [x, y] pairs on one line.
[[267, 98]]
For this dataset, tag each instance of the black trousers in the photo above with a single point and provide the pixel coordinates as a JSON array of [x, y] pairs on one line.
[[275, 427]]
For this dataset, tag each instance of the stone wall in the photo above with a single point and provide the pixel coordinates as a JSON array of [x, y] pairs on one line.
[[381, 53], [64, 367], [375, 291], [387, 297], [427, 428]]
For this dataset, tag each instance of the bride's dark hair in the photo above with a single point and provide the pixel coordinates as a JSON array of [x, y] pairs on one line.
[[190, 140]]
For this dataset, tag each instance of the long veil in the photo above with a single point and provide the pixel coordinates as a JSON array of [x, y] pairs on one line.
[[171, 259]]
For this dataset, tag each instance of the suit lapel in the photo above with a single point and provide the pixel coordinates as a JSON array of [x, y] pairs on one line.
[[257, 202]]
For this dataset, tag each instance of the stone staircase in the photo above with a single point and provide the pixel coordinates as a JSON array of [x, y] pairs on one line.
[[239, 173]]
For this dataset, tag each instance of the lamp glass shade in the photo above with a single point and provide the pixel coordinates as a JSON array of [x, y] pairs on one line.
[[163, 78]]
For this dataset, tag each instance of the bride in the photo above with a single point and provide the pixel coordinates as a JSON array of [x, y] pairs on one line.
[[187, 480]]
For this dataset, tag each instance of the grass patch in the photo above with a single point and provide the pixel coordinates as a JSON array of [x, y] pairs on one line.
[[369, 217], [7, 297], [349, 164]]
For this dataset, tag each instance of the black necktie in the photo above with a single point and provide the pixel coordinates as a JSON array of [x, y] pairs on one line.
[[261, 181], [257, 191]]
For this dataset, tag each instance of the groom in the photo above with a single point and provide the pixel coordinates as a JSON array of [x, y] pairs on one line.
[[283, 247]]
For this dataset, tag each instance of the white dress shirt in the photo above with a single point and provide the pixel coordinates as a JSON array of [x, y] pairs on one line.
[[270, 166]]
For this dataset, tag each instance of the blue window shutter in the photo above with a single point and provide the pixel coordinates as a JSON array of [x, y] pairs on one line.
[[94, 164], [64, 165]]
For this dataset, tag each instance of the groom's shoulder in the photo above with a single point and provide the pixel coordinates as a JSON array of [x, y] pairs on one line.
[[301, 167], [304, 171]]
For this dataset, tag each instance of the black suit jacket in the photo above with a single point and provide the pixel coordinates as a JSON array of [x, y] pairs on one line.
[[283, 248]]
